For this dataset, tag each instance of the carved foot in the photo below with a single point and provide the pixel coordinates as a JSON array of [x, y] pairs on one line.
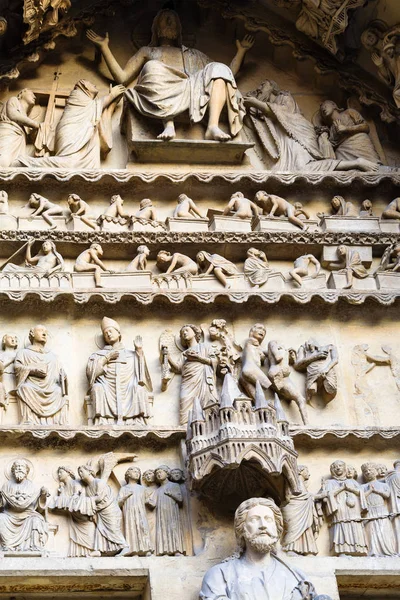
[[167, 134], [215, 133], [123, 552]]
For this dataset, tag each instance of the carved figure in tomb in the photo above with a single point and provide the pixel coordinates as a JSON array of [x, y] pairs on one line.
[[22, 526], [46, 262], [41, 388], [4, 209], [288, 138], [81, 209], [115, 211], [256, 267], [9, 345], [384, 45], [14, 119], [275, 206], [146, 211], [83, 132], [366, 209], [393, 481], [344, 503], [132, 500], [241, 207], [348, 133], [119, 380], [186, 208], [176, 263], [167, 501], [279, 375], [197, 364], [89, 261], [319, 363], [300, 211], [139, 263], [255, 572], [363, 362], [378, 529], [392, 211], [253, 357], [341, 208], [301, 268], [173, 79], [99, 502], [216, 264], [300, 519], [82, 527], [45, 209], [349, 264]]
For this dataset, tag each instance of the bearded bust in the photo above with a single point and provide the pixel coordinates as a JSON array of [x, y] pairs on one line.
[[255, 572]]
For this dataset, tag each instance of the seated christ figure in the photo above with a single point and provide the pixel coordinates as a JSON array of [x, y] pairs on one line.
[[172, 79]]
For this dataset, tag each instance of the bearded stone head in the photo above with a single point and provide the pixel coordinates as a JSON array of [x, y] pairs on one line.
[[258, 525]]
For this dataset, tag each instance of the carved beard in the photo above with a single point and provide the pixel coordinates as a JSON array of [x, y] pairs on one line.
[[19, 476], [262, 543], [168, 32]]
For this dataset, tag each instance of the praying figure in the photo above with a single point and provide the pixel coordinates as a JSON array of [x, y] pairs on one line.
[[119, 380], [22, 526], [349, 264], [14, 121], [173, 79], [41, 382], [132, 500]]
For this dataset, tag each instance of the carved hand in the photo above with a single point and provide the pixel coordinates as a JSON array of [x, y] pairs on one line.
[[117, 90], [246, 43], [38, 372], [113, 355], [97, 40], [377, 59], [44, 491], [138, 343]]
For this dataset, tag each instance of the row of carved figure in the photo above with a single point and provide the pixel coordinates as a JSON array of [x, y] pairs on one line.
[[179, 271], [265, 209], [363, 518], [100, 522], [178, 81], [41, 385]]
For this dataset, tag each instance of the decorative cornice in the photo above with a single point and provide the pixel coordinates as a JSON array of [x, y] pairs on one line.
[[91, 432]]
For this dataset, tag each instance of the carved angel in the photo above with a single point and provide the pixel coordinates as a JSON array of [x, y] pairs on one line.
[[196, 361], [41, 15]]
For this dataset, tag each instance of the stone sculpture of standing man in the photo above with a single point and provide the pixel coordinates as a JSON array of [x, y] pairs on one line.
[[255, 572], [41, 382], [22, 527], [173, 79], [119, 380]]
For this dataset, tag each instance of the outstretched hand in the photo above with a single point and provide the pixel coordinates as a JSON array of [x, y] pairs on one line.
[[377, 59], [246, 43], [138, 343], [117, 90], [97, 40]]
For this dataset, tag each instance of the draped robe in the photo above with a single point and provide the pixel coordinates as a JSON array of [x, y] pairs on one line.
[[22, 528], [136, 526], [167, 500], [198, 381], [300, 518]]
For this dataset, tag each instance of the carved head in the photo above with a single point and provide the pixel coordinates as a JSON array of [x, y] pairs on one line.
[[276, 352], [327, 108], [3, 196], [116, 198], [48, 246], [163, 258], [166, 25], [87, 87], [338, 468], [145, 203], [20, 470], [34, 200], [381, 471], [304, 472], [342, 250], [38, 334], [258, 524], [9, 342], [72, 198], [237, 195], [189, 332], [86, 473], [366, 204], [266, 90], [370, 38], [200, 257], [351, 472], [64, 473], [143, 250], [298, 205], [97, 248], [258, 332], [132, 474], [261, 196], [337, 202], [111, 330], [182, 198], [162, 473], [369, 471], [176, 475], [28, 96], [149, 477]]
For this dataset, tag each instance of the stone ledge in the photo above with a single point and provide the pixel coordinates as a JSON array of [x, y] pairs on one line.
[[91, 432]]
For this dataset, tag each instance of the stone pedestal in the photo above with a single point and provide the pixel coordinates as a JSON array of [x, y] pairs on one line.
[[388, 280], [389, 225], [337, 281], [39, 224], [24, 280], [329, 254], [223, 223], [187, 225], [140, 280], [262, 223], [76, 224], [308, 283], [8, 222], [368, 224], [142, 225], [274, 283], [115, 225]]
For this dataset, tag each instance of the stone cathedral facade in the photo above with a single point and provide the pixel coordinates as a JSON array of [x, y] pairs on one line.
[[199, 291]]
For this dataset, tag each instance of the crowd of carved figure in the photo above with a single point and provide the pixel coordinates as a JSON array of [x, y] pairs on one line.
[[172, 80]]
